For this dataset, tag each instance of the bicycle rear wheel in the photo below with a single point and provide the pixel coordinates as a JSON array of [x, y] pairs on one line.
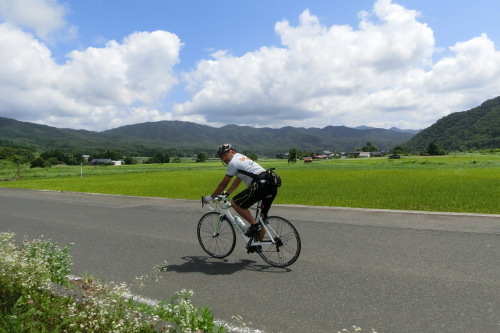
[[286, 247], [216, 235]]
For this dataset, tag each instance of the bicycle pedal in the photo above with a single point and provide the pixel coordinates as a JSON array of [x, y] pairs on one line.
[[253, 249]]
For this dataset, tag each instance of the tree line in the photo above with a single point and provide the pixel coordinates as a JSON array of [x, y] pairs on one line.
[[433, 149], [52, 157]]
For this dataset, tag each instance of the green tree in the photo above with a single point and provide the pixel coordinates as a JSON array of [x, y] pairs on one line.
[[19, 160], [109, 154], [307, 154], [53, 161], [162, 157], [159, 158], [253, 156], [434, 149], [39, 163], [129, 160], [369, 147], [201, 157], [55, 156], [58, 157], [76, 158], [9, 152], [398, 150], [114, 155], [292, 155]]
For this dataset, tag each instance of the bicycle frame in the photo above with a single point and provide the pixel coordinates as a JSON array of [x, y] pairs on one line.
[[223, 202], [279, 244]]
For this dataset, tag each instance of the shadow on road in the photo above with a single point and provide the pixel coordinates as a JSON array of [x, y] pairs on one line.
[[211, 266]]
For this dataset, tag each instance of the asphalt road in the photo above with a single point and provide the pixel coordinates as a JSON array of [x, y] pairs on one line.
[[391, 271]]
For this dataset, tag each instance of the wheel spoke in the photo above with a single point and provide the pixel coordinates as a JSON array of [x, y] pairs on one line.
[[216, 236], [286, 247]]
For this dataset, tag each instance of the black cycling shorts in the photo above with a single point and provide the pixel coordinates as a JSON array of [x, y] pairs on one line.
[[254, 193]]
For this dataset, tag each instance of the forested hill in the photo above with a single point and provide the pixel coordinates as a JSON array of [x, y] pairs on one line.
[[187, 137], [477, 128]]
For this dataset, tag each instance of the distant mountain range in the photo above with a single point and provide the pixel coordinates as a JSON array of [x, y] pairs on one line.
[[477, 128], [144, 138], [411, 131]]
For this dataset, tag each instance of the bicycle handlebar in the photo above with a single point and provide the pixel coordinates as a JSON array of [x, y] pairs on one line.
[[223, 197]]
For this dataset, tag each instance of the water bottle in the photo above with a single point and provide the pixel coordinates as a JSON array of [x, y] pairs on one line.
[[240, 223]]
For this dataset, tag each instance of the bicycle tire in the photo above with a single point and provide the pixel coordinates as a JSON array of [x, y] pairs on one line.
[[287, 248], [218, 244]]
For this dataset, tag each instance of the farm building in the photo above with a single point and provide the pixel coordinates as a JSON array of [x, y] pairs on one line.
[[107, 161]]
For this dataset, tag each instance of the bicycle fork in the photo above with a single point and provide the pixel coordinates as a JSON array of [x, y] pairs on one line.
[[216, 231]]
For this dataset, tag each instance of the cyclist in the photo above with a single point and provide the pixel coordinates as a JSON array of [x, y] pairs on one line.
[[253, 175]]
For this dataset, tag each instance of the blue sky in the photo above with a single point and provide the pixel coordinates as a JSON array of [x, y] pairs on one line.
[[100, 64], [244, 26]]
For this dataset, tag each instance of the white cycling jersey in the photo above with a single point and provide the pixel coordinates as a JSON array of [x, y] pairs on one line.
[[241, 162]]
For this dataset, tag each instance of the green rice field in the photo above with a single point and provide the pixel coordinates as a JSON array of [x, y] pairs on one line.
[[453, 183]]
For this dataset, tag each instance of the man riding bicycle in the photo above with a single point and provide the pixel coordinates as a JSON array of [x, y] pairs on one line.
[[254, 176]]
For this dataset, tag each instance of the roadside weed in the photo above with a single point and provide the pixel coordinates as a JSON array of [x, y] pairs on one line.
[[31, 302]]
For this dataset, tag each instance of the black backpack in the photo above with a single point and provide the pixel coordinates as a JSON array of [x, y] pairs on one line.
[[273, 178]]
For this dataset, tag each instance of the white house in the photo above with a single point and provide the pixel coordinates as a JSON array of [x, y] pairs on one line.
[[105, 161]]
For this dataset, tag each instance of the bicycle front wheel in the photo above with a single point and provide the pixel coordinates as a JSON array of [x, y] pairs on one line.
[[216, 235], [284, 249]]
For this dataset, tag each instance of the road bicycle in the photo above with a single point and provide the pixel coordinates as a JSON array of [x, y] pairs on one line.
[[280, 246]]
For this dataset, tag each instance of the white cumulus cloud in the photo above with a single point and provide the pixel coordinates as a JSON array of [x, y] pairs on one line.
[[97, 88], [44, 17], [379, 73]]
